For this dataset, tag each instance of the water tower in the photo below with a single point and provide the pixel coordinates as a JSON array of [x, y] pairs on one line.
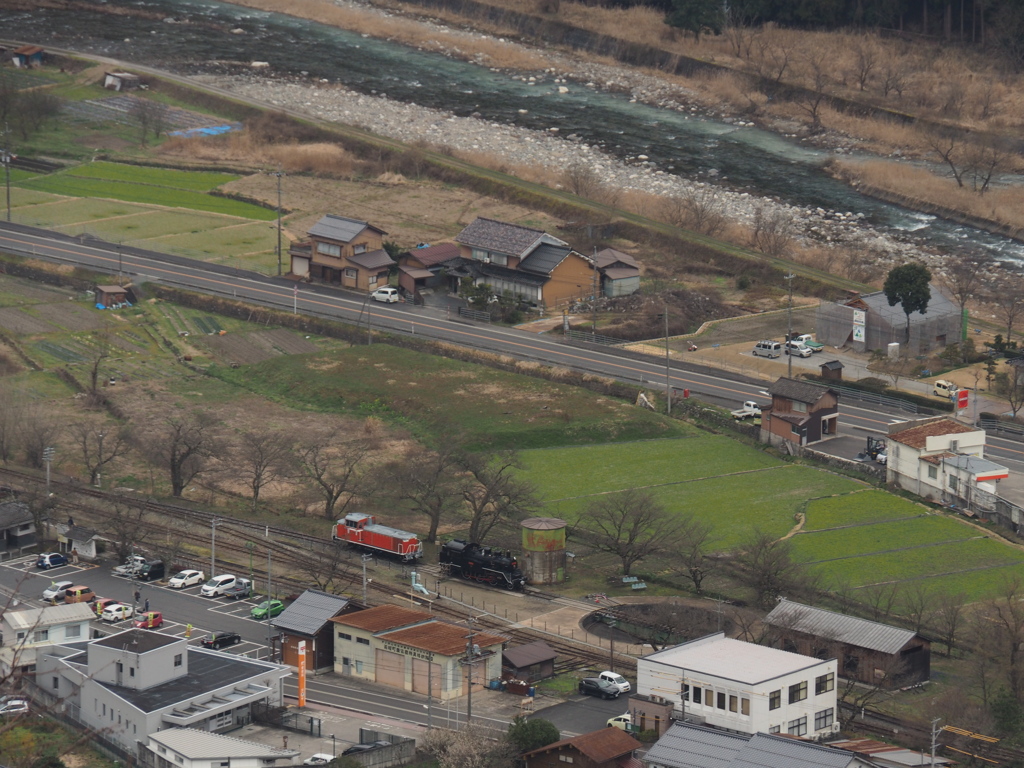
[[543, 560]]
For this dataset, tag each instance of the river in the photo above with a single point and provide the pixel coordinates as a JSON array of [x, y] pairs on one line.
[[195, 34]]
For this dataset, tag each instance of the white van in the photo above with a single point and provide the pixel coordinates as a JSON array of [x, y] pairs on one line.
[[218, 585], [946, 389], [617, 680], [767, 348]]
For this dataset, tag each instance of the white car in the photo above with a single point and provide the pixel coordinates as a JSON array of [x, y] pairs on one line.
[[118, 612], [797, 349], [218, 585], [186, 579], [131, 566], [388, 295], [13, 705], [320, 758], [57, 590], [617, 680]]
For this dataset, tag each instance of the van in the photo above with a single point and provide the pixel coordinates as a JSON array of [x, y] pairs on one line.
[[218, 585], [617, 680], [767, 348], [946, 389], [152, 571], [79, 594]]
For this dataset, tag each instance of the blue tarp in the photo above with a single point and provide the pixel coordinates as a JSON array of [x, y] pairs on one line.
[[211, 130]]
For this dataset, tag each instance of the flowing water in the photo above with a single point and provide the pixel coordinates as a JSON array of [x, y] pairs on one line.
[[188, 36]]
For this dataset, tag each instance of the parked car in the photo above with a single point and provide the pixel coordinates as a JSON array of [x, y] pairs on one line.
[[808, 341], [946, 389], [79, 594], [355, 748], [102, 603], [51, 560], [595, 686], [241, 590], [218, 585], [149, 620], [13, 705], [767, 348], [273, 607], [57, 590], [387, 295], [320, 758], [617, 680], [117, 612], [220, 639], [131, 566], [152, 570], [622, 722], [798, 349], [184, 579]]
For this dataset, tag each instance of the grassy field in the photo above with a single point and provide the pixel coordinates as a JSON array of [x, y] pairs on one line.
[[868, 506], [197, 181]]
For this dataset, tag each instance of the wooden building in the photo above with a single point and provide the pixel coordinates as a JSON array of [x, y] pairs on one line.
[[309, 618], [531, 662], [607, 748], [345, 252], [800, 413]]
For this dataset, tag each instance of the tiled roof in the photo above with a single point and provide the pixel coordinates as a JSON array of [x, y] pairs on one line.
[[440, 637], [435, 254], [531, 653], [544, 258], [600, 746], [372, 259], [383, 617], [694, 746], [801, 391], [503, 237], [917, 436], [308, 614], [340, 228], [837, 626], [14, 513]]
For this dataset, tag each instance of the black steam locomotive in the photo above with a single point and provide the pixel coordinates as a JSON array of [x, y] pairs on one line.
[[471, 561]]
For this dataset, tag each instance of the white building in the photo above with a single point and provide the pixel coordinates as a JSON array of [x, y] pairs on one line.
[[26, 630], [138, 682], [191, 748], [940, 459], [743, 687]]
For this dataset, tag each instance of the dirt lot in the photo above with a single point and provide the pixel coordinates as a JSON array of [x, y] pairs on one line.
[[248, 348], [75, 317], [21, 322]]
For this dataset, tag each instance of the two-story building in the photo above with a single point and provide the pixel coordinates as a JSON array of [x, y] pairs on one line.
[[25, 631], [607, 748], [940, 459], [528, 263], [343, 251], [414, 651], [192, 748], [801, 412], [743, 687], [138, 682], [17, 526]]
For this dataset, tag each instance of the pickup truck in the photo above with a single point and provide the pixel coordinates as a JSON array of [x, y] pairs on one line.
[[808, 341], [749, 410], [241, 590]]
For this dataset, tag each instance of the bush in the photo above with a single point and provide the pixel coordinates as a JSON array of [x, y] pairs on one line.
[[647, 737], [532, 734]]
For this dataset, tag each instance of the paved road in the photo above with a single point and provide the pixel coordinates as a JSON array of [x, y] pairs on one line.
[[141, 265]]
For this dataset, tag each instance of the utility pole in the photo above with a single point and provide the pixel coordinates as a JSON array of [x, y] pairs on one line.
[[366, 559], [48, 459], [279, 173], [270, 642], [789, 336], [6, 157], [213, 546], [668, 371], [120, 280], [935, 738], [470, 658], [593, 298], [99, 476]]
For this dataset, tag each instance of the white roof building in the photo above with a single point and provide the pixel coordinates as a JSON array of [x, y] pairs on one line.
[[25, 630], [192, 748], [743, 687]]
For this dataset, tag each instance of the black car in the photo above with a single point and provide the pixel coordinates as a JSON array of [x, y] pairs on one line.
[[219, 639], [365, 747], [593, 686]]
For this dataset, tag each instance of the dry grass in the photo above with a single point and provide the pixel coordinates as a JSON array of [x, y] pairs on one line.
[[323, 158]]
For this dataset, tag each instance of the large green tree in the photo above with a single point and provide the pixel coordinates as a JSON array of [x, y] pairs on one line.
[[527, 735], [907, 285], [697, 16]]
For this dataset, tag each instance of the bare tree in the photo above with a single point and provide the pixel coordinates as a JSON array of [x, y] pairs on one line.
[[700, 209], [492, 491], [857, 695], [581, 179], [263, 457], [1006, 291], [100, 444], [774, 55], [812, 99], [149, 116], [631, 525], [428, 482], [739, 28], [694, 551], [984, 160], [920, 604], [1010, 384], [894, 79], [168, 542], [326, 568], [770, 570], [865, 59], [881, 598], [964, 274], [950, 148], [129, 527], [949, 618], [185, 446], [1003, 627], [11, 406], [39, 430], [469, 748], [772, 232], [334, 468], [893, 367]]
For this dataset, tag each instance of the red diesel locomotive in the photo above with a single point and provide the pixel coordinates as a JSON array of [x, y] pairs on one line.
[[361, 530]]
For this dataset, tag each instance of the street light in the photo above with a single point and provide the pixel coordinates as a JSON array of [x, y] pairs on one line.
[[334, 746], [6, 157], [789, 336], [366, 558], [48, 459]]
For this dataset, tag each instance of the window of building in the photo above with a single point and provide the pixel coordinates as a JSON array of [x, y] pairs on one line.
[[73, 631], [131, 671], [797, 692], [161, 750], [177, 759], [500, 259], [775, 699], [933, 473], [798, 727], [696, 695], [709, 696], [564, 758], [373, 280], [363, 640], [21, 636], [799, 407], [824, 684], [329, 249], [686, 692], [344, 636], [104, 710], [359, 248], [177, 659], [953, 481], [720, 700], [823, 719], [734, 703], [56, 682], [359, 667], [40, 635], [351, 273], [479, 254], [850, 663], [774, 729], [745, 706]]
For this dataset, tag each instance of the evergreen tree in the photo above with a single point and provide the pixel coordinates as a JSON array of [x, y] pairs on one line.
[[907, 285], [697, 16]]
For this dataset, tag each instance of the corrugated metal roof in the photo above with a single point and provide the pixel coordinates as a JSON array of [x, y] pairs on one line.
[[938, 305], [440, 637], [531, 653], [308, 614], [544, 258], [383, 617], [768, 751], [801, 391], [543, 523], [839, 627], [609, 256], [203, 745], [339, 228], [694, 746], [31, 618], [600, 746]]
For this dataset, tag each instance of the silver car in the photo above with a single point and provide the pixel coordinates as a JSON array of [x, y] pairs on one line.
[[57, 590]]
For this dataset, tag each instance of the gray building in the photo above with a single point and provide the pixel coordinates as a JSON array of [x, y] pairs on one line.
[[867, 323], [17, 528], [138, 682]]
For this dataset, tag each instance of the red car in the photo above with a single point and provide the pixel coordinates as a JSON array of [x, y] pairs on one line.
[[149, 620], [101, 604]]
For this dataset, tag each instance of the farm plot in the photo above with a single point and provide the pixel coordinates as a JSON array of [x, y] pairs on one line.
[[70, 213], [74, 317], [247, 348], [19, 321], [895, 536], [59, 352], [148, 225], [866, 507], [197, 181], [15, 292], [227, 240]]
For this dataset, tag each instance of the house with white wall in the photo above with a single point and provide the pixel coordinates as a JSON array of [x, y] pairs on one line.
[[940, 459], [192, 748], [24, 631], [743, 687]]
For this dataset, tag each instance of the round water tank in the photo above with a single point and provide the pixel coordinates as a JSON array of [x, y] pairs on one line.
[[543, 559]]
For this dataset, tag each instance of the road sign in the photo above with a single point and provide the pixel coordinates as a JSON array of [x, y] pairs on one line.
[[962, 397]]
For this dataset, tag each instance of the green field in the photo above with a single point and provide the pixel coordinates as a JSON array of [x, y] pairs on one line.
[[197, 181], [868, 506], [896, 536]]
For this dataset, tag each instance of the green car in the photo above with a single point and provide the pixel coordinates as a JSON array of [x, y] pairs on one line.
[[260, 611]]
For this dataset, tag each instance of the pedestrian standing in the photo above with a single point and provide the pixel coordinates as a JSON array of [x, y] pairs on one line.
[[146, 609], [138, 596], [74, 556]]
